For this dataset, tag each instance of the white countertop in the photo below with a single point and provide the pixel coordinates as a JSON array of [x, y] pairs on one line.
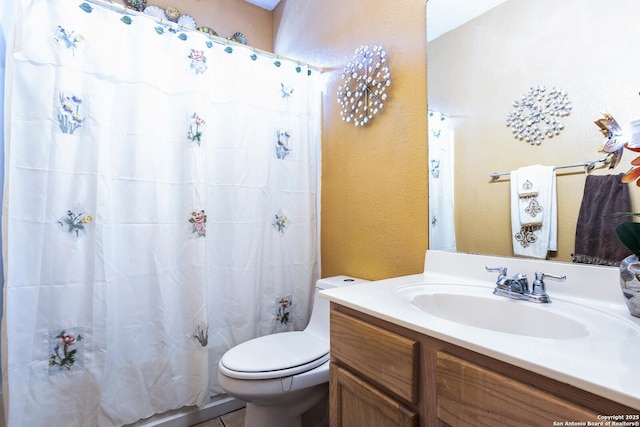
[[606, 362]]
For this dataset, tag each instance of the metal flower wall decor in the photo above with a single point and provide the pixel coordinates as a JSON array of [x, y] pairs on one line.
[[365, 81], [537, 114]]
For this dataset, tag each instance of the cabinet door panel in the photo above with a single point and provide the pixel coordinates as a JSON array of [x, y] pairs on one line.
[[388, 359], [355, 403], [470, 395]]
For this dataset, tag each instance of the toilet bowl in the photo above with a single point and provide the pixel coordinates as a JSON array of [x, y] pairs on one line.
[[284, 378]]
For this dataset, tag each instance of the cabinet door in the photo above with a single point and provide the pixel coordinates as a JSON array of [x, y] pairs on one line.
[[356, 403], [471, 395], [384, 358]]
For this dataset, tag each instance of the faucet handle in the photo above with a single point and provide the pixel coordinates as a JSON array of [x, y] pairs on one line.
[[501, 270], [502, 280], [538, 284]]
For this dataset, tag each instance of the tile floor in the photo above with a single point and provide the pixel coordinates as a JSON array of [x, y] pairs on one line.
[[232, 419]]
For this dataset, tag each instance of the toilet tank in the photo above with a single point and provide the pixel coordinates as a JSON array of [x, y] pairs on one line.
[[319, 321]]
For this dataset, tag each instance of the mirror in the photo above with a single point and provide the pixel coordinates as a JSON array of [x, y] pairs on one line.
[[475, 72]]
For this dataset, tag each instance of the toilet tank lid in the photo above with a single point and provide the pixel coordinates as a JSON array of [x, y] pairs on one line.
[[337, 281]]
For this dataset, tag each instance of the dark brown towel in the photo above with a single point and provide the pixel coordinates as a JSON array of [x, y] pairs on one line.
[[596, 241]]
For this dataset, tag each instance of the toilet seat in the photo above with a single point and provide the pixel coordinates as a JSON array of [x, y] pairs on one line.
[[275, 356]]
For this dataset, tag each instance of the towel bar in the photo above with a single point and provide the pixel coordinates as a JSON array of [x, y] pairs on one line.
[[586, 165]]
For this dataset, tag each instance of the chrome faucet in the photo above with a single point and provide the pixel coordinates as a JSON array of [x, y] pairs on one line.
[[517, 286]]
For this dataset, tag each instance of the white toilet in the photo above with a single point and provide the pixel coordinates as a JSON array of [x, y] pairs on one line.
[[285, 376]]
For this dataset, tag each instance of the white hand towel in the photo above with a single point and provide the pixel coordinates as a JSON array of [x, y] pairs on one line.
[[529, 240], [553, 213], [530, 180]]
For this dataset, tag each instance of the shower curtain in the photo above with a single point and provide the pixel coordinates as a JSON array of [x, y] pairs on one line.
[[442, 233], [159, 208]]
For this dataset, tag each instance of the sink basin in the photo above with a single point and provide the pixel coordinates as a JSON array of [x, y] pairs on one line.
[[477, 307]]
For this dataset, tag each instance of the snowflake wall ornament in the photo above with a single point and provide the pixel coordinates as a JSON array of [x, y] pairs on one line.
[[537, 114], [365, 81]]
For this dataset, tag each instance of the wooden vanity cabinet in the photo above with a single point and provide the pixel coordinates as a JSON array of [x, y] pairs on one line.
[[385, 375], [373, 375]]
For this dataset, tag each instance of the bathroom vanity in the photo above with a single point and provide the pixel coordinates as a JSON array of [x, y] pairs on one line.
[[440, 349]]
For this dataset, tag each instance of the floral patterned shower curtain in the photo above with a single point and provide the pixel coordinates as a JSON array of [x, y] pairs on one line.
[[160, 207], [442, 233]]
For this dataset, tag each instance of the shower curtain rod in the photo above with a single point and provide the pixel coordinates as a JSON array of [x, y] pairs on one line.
[[586, 165], [120, 8]]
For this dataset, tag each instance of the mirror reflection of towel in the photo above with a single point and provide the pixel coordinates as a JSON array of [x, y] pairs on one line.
[[596, 241], [530, 179], [534, 233]]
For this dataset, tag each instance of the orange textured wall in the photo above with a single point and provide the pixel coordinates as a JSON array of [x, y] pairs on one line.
[[374, 178]]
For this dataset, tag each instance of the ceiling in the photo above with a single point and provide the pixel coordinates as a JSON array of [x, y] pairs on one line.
[[445, 15], [265, 4]]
